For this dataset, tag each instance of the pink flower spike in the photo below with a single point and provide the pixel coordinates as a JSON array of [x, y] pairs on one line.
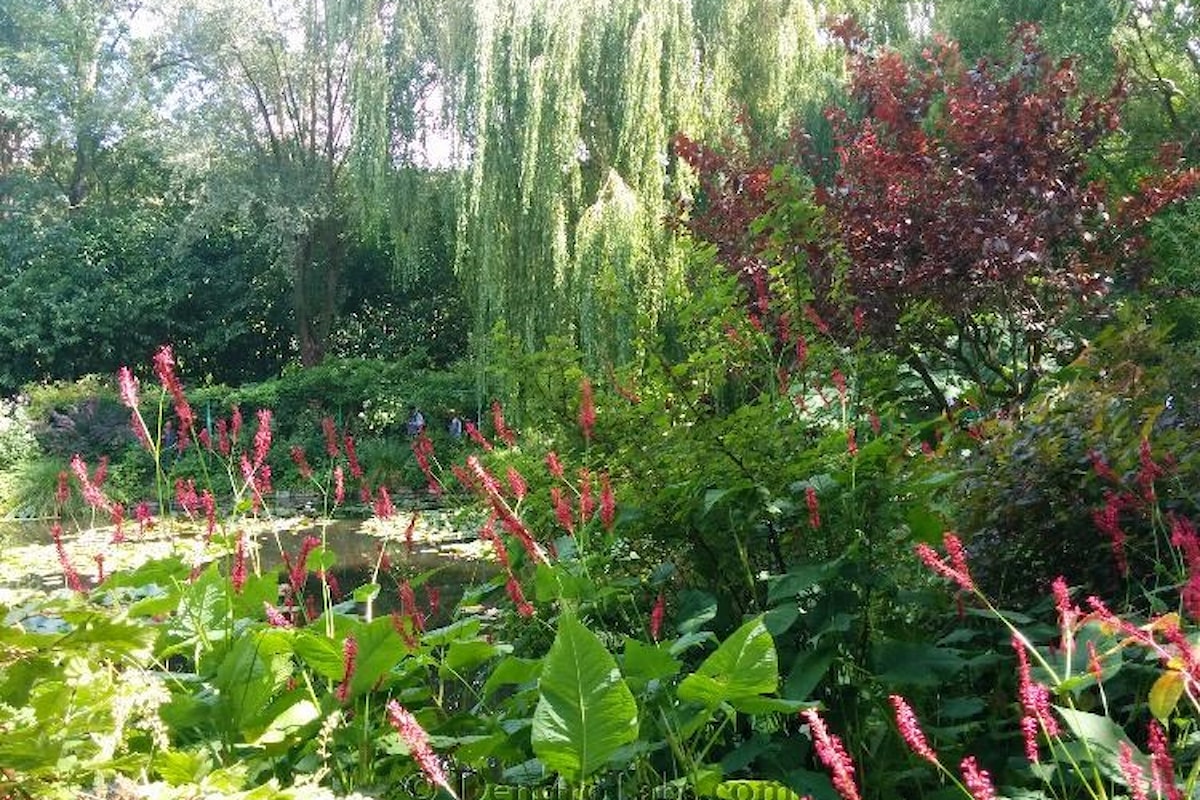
[[477, 437], [331, 437], [1134, 777], [910, 729], [931, 559], [814, 508], [1162, 767], [356, 470], [978, 781], [562, 510], [339, 486], [516, 482], [129, 388], [349, 657], [383, 504], [524, 607], [554, 465], [164, 368], [238, 575], [1035, 703], [275, 617], [417, 741], [833, 755], [262, 436], [656, 616], [608, 503]]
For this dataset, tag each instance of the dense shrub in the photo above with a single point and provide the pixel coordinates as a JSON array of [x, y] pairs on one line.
[[1032, 487]]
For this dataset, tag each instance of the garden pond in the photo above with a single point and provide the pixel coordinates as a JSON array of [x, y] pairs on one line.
[[444, 548]]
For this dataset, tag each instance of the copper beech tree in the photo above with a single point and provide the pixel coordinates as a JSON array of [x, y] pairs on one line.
[[962, 222]]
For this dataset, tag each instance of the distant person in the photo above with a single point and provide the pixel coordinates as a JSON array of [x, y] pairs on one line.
[[416, 422], [455, 427], [170, 442]]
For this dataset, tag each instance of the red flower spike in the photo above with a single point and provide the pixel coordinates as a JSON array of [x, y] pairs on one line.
[[417, 742], [608, 503], [517, 484], [978, 781], [524, 607], [839, 383], [502, 431], [956, 570], [237, 575], [383, 504], [1162, 768], [833, 755], [301, 462], [587, 503], [331, 437], [656, 616], [356, 470], [144, 518], [349, 657], [117, 514], [562, 510], [910, 729], [814, 508], [477, 437], [62, 491], [409, 530], [339, 486], [408, 606]]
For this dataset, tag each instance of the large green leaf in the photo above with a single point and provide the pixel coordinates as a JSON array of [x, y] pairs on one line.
[[380, 649], [585, 711], [808, 669], [512, 670], [744, 665], [1101, 739], [916, 663], [251, 675]]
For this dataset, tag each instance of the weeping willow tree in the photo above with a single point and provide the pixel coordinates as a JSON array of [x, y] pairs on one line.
[[564, 111]]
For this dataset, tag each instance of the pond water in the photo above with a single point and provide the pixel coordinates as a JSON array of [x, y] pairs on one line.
[[445, 553]]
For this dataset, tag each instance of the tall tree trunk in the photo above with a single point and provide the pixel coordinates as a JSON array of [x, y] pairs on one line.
[[316, 288]]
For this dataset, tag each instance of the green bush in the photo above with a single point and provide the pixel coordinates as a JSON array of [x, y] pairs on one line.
[[1030, 489]]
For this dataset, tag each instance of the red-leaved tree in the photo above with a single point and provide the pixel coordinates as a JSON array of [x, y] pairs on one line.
[[963, 223]]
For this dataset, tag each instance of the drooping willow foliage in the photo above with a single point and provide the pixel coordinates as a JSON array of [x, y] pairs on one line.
[[564, 111]]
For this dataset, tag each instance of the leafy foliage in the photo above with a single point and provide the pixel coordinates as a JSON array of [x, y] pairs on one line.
[[964, 223]]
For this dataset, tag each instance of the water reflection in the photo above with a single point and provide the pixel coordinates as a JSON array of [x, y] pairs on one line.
[[442, 557]]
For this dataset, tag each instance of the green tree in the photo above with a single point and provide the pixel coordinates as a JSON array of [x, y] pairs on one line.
[[274, 94]]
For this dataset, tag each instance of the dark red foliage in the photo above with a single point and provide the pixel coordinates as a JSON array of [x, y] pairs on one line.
[[968, 191]]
